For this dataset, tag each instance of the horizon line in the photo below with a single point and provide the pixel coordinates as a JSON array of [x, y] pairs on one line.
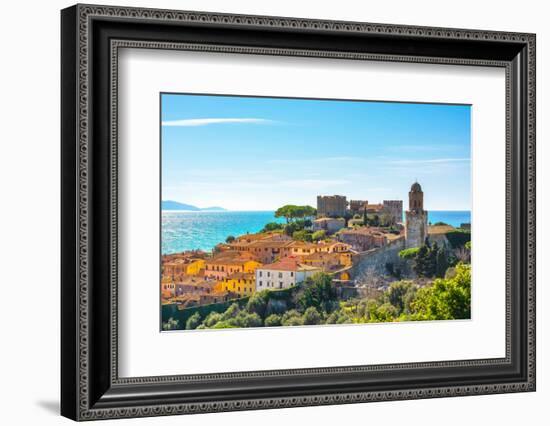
[[225, 210]]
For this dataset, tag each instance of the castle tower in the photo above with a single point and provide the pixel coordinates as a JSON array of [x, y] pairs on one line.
[[416, 226]]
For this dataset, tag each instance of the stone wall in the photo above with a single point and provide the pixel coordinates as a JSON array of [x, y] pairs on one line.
[[416, 227], [375, 260]]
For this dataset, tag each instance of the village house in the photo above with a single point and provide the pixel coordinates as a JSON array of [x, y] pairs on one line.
[[333, 247], [193, 285], [243, 284], [189, 254], [167, 288], [182, 266], [222, 265], [265, 250], [302, 248], [328, 224], [283, 274], [362, 239], [325, 261]]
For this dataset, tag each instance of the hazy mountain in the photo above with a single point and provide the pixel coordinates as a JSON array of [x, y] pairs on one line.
[[175, 205]]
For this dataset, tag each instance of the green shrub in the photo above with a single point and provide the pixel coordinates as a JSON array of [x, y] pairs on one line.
[[272, 320], [292, 318], [409, 253], [318, 235], [311, 316], [193, 322], [212, 319], [445, 299], [302, 235], [272, 226], [458, 238], [171, 324]]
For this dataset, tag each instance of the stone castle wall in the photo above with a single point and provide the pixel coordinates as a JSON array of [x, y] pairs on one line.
[[375, 260], [331, 205], [416, 228]]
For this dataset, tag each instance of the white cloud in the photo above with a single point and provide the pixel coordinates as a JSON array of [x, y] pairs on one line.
[[195, 122]]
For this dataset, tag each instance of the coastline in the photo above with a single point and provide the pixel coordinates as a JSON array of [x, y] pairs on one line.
[[203, 230]]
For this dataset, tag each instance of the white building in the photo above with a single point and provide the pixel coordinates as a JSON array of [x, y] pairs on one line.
[[283, 274]]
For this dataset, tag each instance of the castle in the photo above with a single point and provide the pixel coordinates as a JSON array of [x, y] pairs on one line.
[[338, 206], [416, 218], [331, 205], [416, 223]]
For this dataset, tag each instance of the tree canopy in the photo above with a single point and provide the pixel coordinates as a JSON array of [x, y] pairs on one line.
[[291, 212]]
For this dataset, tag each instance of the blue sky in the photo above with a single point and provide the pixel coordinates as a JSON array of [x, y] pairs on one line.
[[245, 153]]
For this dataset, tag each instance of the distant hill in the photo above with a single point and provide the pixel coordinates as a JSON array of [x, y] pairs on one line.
[[174, 205]]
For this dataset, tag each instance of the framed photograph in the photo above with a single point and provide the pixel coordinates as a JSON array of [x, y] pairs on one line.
[[263, 212]]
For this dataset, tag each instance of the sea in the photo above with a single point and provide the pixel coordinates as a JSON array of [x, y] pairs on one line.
[[190, 230]]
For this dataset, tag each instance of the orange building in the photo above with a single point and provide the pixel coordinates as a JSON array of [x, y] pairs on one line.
[[167, 288], [222, 265], [265, 250]]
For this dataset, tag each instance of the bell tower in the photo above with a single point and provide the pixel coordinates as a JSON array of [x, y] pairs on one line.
[[416, 198], [416, 226]]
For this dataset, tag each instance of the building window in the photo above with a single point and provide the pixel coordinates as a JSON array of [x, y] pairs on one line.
[[292, 274], [260, 283], [260, 273], [280, 284], [280, 275]]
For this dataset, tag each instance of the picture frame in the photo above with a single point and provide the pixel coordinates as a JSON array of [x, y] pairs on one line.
[[90, 384]]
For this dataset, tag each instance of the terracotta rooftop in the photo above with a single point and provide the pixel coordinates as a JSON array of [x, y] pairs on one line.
[[191, 280], [269, 244], [322, 255], [228, 260], [240, 276], [290, 263]]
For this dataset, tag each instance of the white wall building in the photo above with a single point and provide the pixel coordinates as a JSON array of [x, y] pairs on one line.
[[283, 274]]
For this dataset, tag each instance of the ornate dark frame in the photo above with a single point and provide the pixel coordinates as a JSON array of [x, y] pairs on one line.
[[91, 37]]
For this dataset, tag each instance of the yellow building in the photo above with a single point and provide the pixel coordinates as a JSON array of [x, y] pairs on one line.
[[221, 266], [195, 266], [183, 266], [244, 284]]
